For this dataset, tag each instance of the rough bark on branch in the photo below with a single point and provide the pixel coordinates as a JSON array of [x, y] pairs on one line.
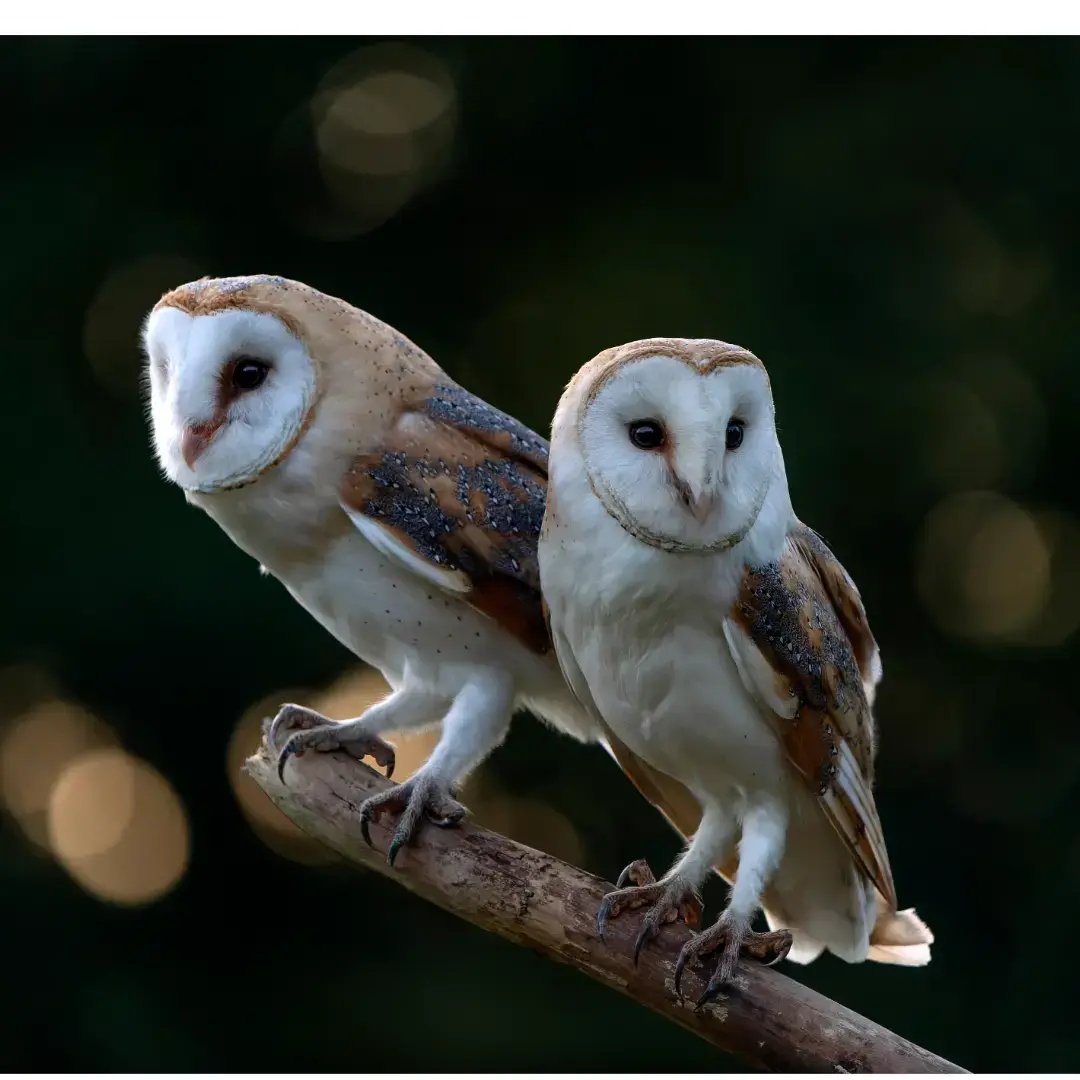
[[769, 1020]]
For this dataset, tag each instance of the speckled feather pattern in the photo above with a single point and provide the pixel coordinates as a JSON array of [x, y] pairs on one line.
[[456, 496], [385, 426], [787, 612], [459, 482], [735, 685], [847, 604], [455, 406]]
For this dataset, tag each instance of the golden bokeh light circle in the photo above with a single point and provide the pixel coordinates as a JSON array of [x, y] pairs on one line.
[[92, 804], [983, 567], [384, 120], [369, 127], [36, 747], [1061, 616], [118, 828]]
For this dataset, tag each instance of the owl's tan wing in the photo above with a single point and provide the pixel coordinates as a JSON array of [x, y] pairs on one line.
[[455, 494], [789, 634], [846, 602]]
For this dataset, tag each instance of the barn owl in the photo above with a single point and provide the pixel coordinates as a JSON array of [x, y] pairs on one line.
[[725, 654], [401, 511]]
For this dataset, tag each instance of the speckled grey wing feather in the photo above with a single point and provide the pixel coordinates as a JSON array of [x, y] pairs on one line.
[[791, 646], [456, 407], [457, 495]]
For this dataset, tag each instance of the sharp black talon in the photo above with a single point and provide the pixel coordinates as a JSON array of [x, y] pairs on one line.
[[365, 817], [390, 769], [710, 992], [624, 877], [392, 852], [641, 939], [286, 753], [602, 918], [679, 965]]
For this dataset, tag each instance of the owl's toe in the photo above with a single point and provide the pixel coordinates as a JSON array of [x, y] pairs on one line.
[[304, 729], [420, 798], [733, 938], [668, 901], [289, 719]]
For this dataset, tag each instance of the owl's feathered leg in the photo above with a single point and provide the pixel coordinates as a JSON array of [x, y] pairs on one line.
[[675, 895], [475, 724], [304, 729], [763, 832]]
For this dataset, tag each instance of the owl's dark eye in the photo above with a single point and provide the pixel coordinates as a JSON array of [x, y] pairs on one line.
[[646, 434], [249, 374], [735, 432]]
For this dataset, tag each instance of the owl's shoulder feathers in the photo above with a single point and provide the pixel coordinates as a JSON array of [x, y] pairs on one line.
[[456, 494]]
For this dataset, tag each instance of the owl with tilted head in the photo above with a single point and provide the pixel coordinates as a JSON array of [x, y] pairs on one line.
[[399, 509]]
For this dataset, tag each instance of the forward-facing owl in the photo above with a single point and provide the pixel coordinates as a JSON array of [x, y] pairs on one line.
[[723, 650], [397, 508]]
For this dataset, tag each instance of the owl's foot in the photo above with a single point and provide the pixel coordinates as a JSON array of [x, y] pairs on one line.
[[733, 937], [304, 729], [670, 900], [421, 797]]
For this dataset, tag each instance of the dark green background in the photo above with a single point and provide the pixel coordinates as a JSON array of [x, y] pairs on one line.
[[876, 219]]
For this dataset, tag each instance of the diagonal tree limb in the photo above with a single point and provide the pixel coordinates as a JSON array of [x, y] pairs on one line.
[[536, 900]]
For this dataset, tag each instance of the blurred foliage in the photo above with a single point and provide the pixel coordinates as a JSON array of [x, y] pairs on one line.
[[890, 224]]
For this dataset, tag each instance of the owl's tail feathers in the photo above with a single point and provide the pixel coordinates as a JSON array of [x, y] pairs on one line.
[[900, 937], [897, 937]]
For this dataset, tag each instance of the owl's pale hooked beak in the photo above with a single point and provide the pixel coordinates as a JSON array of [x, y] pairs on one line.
[[196, 439], [702, 505], [698, 499]]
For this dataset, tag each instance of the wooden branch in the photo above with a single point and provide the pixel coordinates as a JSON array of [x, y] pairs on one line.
[[536, 900]]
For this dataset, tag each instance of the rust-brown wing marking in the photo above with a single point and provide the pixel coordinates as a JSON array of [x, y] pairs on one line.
[[456, 494], [789, 638]]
